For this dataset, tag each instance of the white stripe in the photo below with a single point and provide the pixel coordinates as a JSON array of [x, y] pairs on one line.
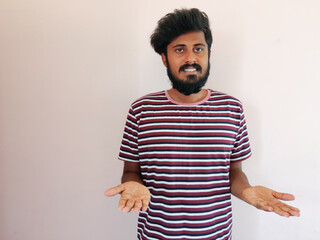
[[149, 167], [129, 153], [193, 160], [186, 131], [132, 123], [191, 214], [170, 108], [186, 145], [187, 124], [127, 159], [185, 183], [188, 175], [129, 142], [185, 229], [187, 138], [184, 236], [131, 129], [245, 141], [241, 151], [143, 103], [241, 157], [128, 147], [195, 221], [127, 134], [179, 236], [190, 118], [181, 153], [213, 197], [152, 100]]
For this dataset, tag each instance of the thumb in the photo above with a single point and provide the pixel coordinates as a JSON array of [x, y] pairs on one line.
[[114, 191]]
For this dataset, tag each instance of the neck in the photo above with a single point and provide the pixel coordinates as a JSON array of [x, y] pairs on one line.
[[192, 98]]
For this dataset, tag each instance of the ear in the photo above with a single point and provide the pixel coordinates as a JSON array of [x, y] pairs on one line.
[[164, 59]]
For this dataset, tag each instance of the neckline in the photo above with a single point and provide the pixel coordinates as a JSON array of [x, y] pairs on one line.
[[189, 104]]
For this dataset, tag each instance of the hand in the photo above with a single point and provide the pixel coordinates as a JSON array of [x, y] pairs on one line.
[[134, 196], [268, 200]]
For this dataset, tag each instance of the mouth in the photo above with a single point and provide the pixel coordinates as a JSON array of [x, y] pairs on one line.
[[190, 69]]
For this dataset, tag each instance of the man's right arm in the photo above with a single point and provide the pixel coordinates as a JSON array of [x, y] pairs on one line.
[[131, 172], [134, 195]]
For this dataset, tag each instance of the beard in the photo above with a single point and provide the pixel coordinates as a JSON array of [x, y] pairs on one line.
[[192, 84]]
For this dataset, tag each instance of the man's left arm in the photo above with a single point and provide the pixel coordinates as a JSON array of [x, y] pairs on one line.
[[260, 197]]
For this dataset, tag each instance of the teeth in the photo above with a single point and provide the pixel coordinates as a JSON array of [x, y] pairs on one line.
[[189, 69]]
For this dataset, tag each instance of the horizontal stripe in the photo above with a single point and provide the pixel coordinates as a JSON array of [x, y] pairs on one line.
[[204, 182], [182, 167], [202, 225], [193, 139], [192, 235], [184, 153]]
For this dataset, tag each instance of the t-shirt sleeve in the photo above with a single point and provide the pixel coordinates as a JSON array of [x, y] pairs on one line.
[[129, 145], [241, 149]]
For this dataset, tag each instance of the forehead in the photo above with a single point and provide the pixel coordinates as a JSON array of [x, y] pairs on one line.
[[190, 38]]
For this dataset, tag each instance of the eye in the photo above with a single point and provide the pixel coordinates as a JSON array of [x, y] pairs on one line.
[[198, 49], [179, 50]]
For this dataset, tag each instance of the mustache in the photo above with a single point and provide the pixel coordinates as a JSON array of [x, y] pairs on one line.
[[185, 66]]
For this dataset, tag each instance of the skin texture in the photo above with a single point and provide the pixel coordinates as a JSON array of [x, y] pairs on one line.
[[191, 48], [258, 196], [188, 48], [134, 195]]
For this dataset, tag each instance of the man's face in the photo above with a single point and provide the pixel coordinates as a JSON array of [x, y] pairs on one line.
[[187, 62]]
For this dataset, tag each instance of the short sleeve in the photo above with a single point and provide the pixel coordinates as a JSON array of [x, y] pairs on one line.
[[129, 145], [241, 149]]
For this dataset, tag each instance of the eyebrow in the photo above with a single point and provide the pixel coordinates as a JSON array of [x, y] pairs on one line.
[[183, 45]]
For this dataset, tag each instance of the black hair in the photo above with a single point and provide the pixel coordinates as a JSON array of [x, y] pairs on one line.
[[179, 22]]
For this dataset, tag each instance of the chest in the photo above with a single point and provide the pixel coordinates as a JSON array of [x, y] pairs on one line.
[[187, 132]]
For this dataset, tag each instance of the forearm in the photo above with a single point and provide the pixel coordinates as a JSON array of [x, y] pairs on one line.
[[238, 182], [261, 197], [131, 176], [131, 172]]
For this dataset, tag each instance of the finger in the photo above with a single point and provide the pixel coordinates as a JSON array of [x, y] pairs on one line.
[[295, 213], [295, 210], [285, 210], [128, 206], [145, 203], [283, 196], [137, 206], [281, 212], [114, 191], [292, 211], [122, 203]]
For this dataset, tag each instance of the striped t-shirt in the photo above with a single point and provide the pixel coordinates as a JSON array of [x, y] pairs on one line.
[[184, 151]]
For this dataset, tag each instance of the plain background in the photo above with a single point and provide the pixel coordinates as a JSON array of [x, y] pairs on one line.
[[69, 71]]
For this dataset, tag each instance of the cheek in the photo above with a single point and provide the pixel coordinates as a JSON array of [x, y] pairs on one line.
[[175, 67], [204, 63]]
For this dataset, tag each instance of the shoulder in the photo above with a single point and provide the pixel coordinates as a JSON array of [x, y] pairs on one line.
[[220, 97], [150, 99]]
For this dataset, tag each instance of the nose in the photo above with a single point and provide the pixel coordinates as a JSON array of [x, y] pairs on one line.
[[190, 58]]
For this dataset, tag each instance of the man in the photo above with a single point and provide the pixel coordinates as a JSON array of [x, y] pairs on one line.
[[183, 148]]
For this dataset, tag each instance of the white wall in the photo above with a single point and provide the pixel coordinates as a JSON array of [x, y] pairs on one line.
[[70, 69]]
